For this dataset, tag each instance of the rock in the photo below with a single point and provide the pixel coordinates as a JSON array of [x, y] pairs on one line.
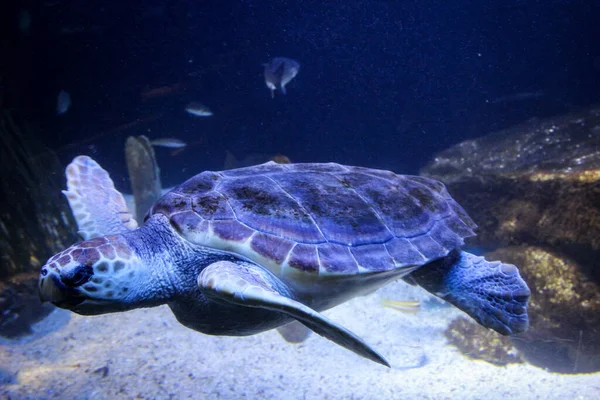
[[35, 219], [561, 145], [20, 305], [534, 191], [564, 311], [480, 343], [537, 183], [144, 174]]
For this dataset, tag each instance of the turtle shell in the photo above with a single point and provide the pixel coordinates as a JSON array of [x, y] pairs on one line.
[[323, 219]]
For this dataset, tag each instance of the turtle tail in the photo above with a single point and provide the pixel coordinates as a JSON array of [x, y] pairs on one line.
[[492, 293]]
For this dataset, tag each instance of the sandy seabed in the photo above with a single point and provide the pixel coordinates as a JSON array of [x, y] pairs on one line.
[[147, 354]]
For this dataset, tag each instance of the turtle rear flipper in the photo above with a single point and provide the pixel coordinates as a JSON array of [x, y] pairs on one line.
[[98, 207], [493, 293], [294, 332], [247, 285]]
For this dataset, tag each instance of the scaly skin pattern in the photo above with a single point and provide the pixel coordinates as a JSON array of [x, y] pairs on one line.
[[111, 248], [114, 272], [147, 267], [96, 268]]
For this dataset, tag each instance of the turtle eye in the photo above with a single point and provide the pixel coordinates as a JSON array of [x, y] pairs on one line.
[[78, 276]]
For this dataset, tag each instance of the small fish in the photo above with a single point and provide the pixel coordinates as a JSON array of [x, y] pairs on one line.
[[516, 97], [170, 143], [279, 72], [82, 29], [231, 161], [199, 110], [63, 102], [408, 307], [281, 159], [158, 92]]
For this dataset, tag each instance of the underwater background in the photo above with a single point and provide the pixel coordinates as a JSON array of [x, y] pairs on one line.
[[382, 83], [497, 99]]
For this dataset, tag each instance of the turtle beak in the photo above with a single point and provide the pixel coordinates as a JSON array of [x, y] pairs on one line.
[[52, 289], [48, 290]]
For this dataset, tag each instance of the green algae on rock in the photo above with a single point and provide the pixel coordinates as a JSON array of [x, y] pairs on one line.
[[479, 343]]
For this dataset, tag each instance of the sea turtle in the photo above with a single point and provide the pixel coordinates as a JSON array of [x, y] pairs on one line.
[[246, 250]]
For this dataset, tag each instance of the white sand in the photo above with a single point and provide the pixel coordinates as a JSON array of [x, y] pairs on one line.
[[149, 355]]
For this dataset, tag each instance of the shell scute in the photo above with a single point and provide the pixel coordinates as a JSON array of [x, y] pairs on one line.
[[342, 215], [320, 168], [202, 182], [187, 221], [404, 253], [255, 170], [379, 173], [304, 257], [258, 202], [373, 257], [336, 259], [428, 246], [212, 205], [271, 247], [170, 203], [231, 230]]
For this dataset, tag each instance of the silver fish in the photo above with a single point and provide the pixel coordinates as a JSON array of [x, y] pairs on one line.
[[199, 110], [63, 102], [516, 97], [279, 72], [170, 143]]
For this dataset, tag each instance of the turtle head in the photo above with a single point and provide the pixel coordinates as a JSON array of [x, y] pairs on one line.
[[96, 276]]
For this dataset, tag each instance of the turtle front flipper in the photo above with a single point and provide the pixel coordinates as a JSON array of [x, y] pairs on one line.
[[98, 207], [248, 285]]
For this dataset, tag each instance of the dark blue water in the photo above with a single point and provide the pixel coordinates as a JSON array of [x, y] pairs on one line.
[[382, 83]]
